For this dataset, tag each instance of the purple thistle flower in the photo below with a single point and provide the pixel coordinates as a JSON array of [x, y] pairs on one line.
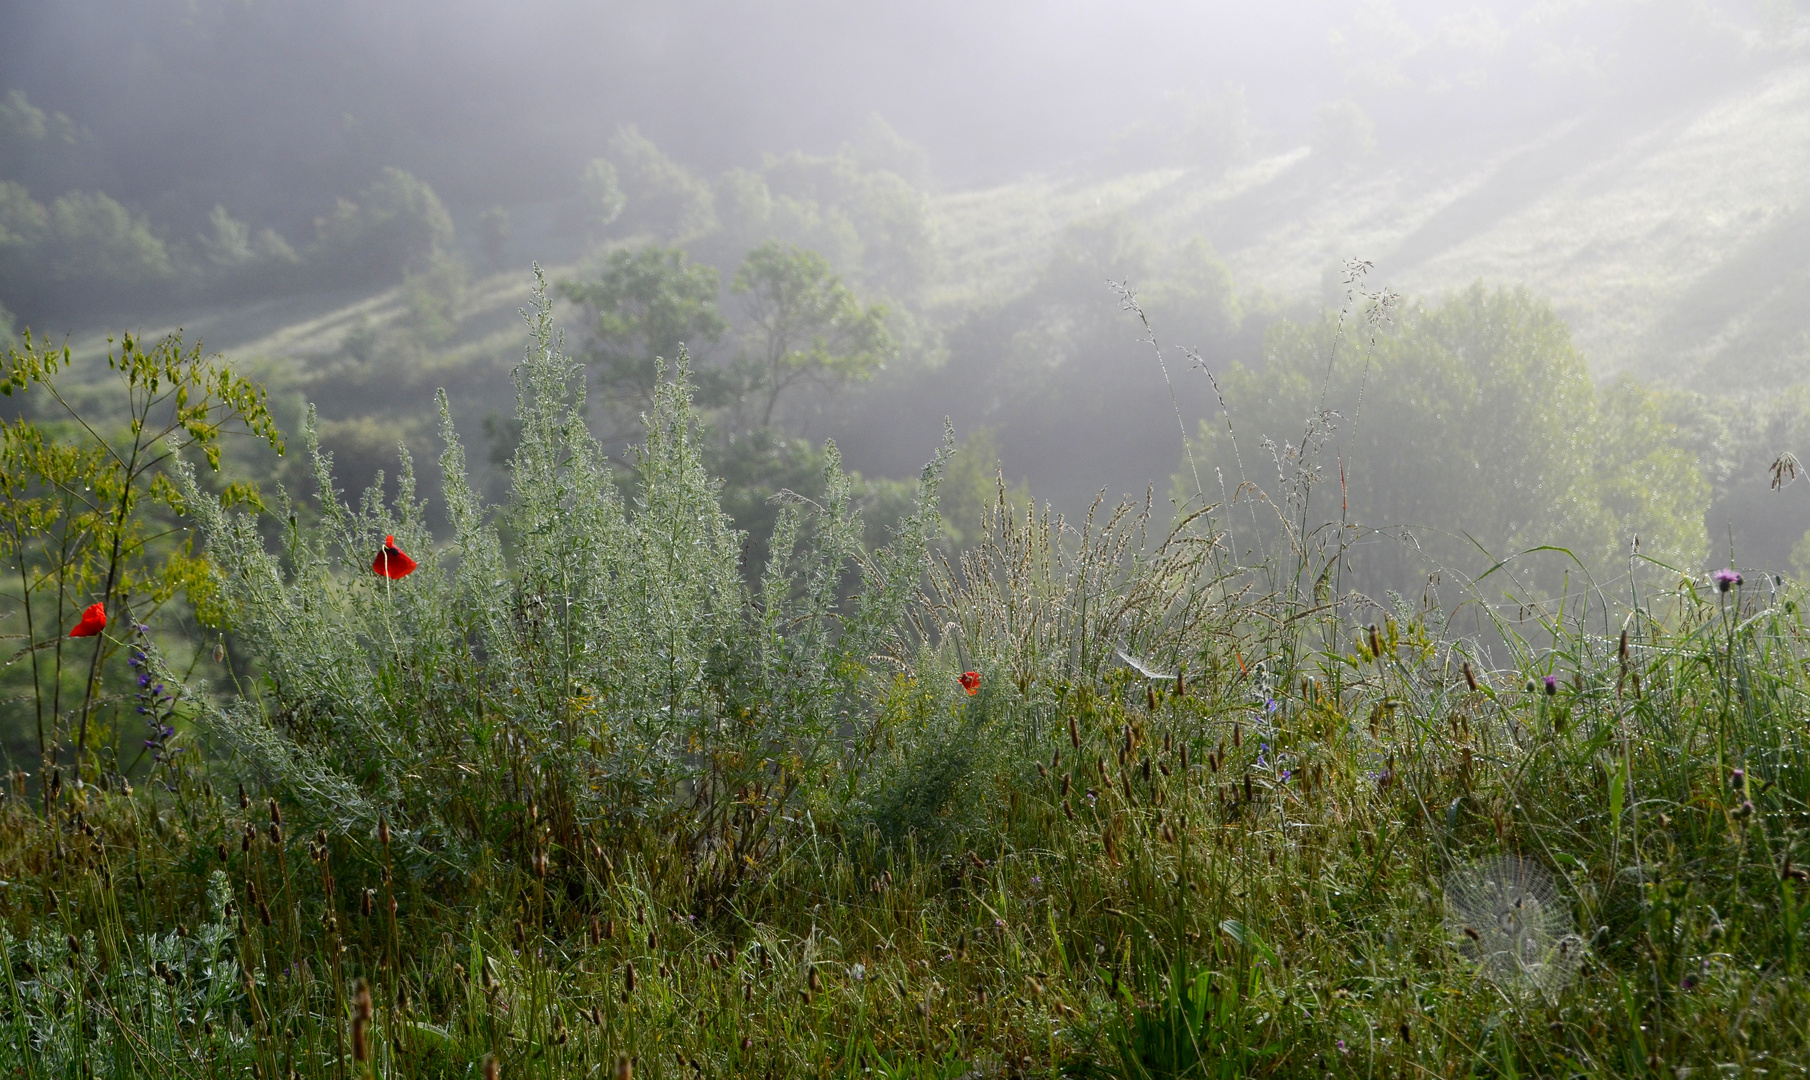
[[1726, 579], [1552, 685]]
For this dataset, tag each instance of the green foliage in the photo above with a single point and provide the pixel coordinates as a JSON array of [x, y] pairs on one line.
[[870, 223], [397, 224], [77, 525], [662, 197], [82, 239], [808, 327], [434, 293], [600, 192], [575, 791], [641, 308], [1472, 425], [229, 244], [1198, 1029], [615, 650]]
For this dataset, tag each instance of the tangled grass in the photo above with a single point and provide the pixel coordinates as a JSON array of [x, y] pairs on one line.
[[576, 800]]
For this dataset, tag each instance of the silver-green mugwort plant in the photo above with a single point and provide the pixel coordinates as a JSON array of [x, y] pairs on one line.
[[575, 657]]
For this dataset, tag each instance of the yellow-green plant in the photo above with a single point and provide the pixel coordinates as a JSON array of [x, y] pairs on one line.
[[85, 508]]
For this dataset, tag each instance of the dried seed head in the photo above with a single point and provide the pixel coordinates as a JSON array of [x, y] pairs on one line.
[[492, 1071], [1074, 732], [276, 813], [625, 1069], [361, 1022], [383, 830], [628, 976], [1237, 734], [1470, 677], [244, 799]]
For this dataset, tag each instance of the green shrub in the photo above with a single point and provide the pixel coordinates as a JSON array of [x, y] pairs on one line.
[[612, 670]]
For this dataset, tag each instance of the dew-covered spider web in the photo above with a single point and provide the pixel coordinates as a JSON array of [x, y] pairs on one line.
[[1508, 916]]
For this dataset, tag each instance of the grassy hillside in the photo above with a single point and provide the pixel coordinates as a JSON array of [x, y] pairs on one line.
[[1666, 232]]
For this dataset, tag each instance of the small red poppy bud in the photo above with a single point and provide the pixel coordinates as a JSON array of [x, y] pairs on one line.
[[392, 562], [971, 682]]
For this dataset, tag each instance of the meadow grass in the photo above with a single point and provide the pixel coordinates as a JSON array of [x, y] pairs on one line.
[[578, 799]]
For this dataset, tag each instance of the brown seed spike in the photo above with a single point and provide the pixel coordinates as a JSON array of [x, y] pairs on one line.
[[1237, 734], [1074, 733], [1470, 677], [492, 1071], [1150, 697], [361, 1022]]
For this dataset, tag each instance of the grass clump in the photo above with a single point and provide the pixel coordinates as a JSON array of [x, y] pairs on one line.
[[574, 799]]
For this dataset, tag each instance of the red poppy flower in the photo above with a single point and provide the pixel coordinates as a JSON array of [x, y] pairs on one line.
[[391, 562], [971, 682], [94, 620]]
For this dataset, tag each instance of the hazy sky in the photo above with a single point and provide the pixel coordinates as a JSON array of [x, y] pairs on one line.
[[263, 102]]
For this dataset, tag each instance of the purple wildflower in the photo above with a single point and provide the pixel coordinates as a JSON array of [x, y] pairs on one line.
[[1552, 685], [1726, 579]]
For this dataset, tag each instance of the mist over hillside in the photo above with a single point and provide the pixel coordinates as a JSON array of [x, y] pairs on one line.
[[929, 541], [350, 196]]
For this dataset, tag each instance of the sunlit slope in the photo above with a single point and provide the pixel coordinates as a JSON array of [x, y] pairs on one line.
[[1673, 237]]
